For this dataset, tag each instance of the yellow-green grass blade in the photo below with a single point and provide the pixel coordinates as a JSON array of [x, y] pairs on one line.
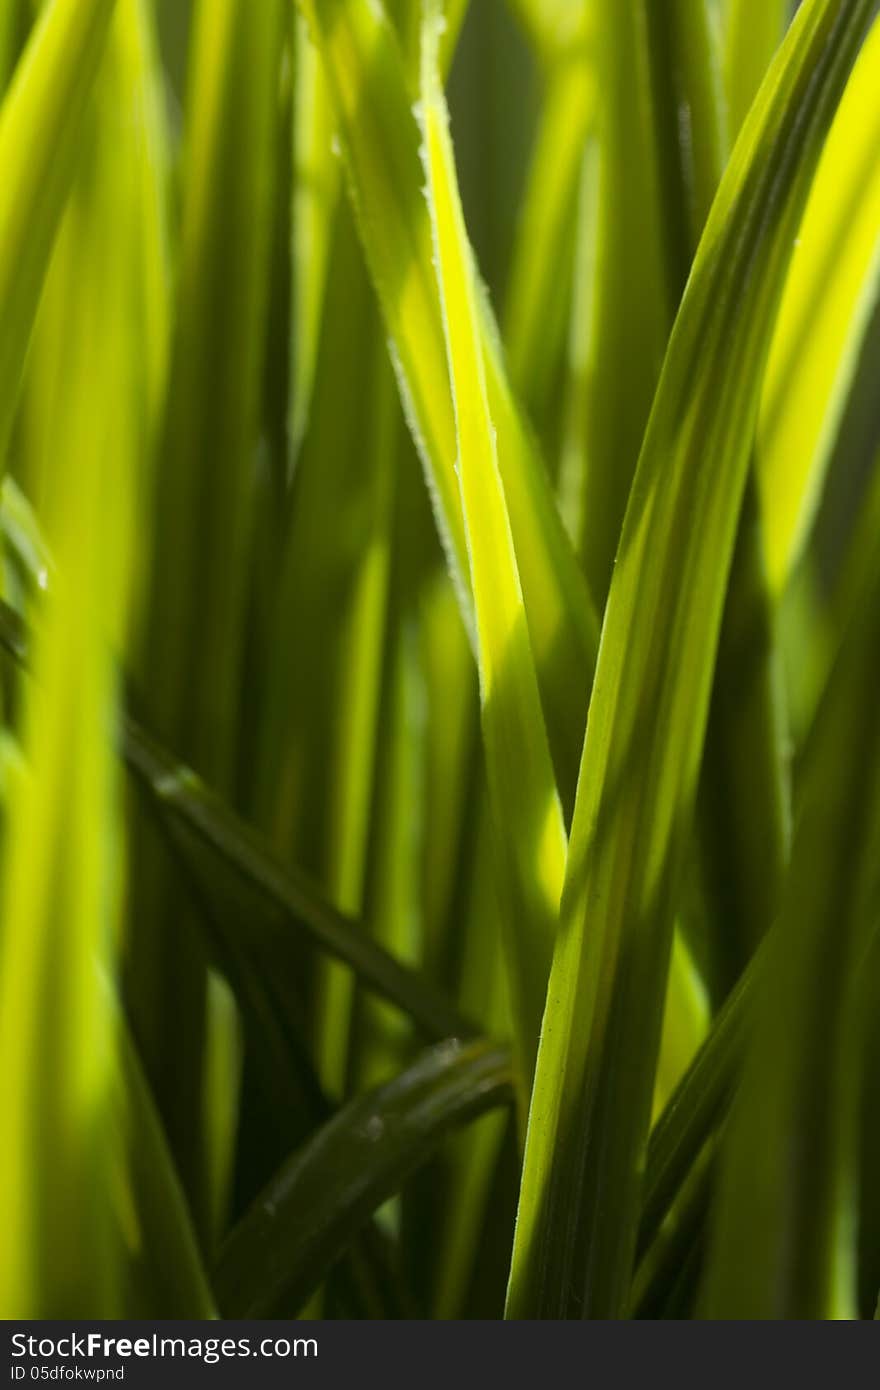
[[109, 280], [530, 840], [552, 25], [40, 131], [380, 139], [95, 371], [191, 664], [752, 34], [830, 295], [591, 1102], [308, 1214], [407, 16], [785, 1237], [316, 192]]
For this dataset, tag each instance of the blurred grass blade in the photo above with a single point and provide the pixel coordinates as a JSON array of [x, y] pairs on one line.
[[752, 34], [543, 252], [110, 269], [190, 665], [551, 25], [831, 293], [630, 304], [591, 1103], [40, 133], [785, 1242], [306, 1217], [165, 1267], [530, 838], [316, 191], [380, 140], [63, 857]]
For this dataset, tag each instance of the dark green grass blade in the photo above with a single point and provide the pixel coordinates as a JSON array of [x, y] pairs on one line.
[[784, 1242], [181, 796], [307, 1215]]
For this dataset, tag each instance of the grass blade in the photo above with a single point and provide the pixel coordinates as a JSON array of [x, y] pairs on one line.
[[530, 835], [752, 35], [591, 1103], [784, 1242], [40, 133], [830, 296], [180, 795], [306, 1217], [380, 138]]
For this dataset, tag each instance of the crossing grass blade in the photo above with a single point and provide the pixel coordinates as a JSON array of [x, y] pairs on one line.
[[302, 1222], [591, 1102]]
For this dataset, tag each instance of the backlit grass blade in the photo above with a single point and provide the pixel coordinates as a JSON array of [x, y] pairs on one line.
[[97, 374], [380, 139], [752, 34], [110, 266], [832, 291], [40, 132], [551, 24], [530, 838], [591, 1103], [308, 1214], [785, 1233]]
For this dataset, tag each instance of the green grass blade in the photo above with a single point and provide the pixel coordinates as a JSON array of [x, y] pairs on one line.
[[40, 131], [308, 1214], [530, 838], [630, 304], [831, 293], [784, 1242], [752, 34], [591, 1103], [166, 1272], [380, 139]]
